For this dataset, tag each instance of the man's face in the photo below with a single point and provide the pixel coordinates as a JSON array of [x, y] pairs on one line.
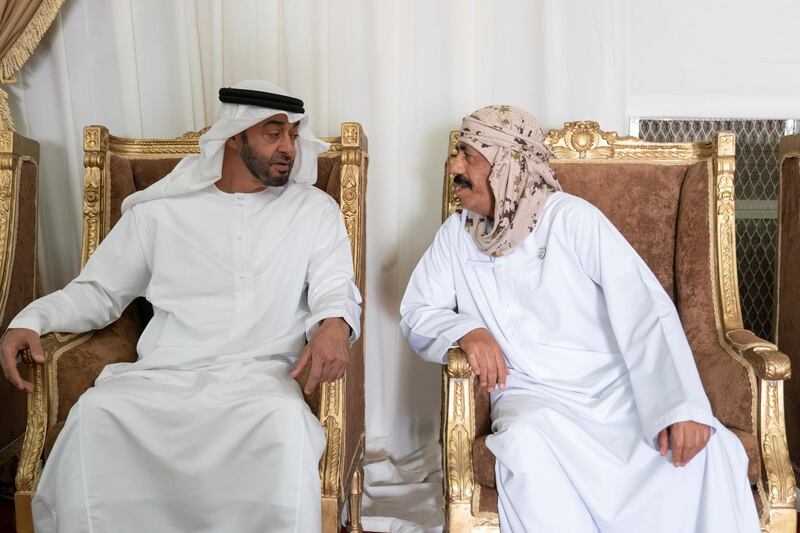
[[267, 149], [471, 177]]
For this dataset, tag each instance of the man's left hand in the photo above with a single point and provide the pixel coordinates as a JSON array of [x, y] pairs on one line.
[[685, 439], [328, 353]]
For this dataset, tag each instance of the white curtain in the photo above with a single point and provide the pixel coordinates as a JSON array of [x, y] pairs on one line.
[[408, 70]]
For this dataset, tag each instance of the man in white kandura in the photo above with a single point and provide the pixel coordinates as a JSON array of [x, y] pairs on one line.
[[243, 260], [599, 419]]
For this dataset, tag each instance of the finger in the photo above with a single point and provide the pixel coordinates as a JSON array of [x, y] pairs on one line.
[[692, 447], [689, 454], [677, 445], [9, 363], [301, 362], [484, 370], [502, 370], [663, 441], [314, 376], [342, 368], [473, 362], [328, 371], [491, 377], [35, 348]]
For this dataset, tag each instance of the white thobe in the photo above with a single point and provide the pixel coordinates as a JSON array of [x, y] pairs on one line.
[[599, 364], [206, 431]]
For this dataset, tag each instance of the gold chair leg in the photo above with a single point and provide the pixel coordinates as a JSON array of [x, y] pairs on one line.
[[354, 501], [330, 515], [22, 508]]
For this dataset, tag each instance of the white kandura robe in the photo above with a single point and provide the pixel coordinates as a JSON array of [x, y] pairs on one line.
[[599, 365], [207, 431]]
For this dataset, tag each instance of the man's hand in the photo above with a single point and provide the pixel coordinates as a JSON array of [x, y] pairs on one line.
[[685, 439], [26, 343], [327, 352], [485, 357]]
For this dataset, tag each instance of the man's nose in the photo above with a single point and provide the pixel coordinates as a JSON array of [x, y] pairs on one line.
[[286, 146], [457, 164]]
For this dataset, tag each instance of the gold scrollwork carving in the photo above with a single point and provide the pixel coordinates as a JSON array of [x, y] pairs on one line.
[[581, 140], [351, 135], [780, 477], [459, 430], [768, 363], [6, 141], [458, 364], [332, 415], [726, 231], [35, 429]]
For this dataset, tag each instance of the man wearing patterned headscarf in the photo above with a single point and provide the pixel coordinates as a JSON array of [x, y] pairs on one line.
[[599, 419], [248, 268]]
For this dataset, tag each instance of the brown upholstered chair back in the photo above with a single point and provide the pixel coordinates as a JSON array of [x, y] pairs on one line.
[[18, 275], [787, 284]]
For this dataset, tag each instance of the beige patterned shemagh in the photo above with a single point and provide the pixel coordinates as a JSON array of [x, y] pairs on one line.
[[521, 179]]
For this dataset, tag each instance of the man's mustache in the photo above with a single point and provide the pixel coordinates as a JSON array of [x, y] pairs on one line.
[[462, 181]]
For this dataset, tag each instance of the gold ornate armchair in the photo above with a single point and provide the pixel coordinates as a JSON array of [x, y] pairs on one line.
[[116, 167], [18, 275], [674, 204], [787, 282]]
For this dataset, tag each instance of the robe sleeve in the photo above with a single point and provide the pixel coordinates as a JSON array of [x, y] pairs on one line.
[[331, 290], [116, 273], [429, 319], [663, 374]]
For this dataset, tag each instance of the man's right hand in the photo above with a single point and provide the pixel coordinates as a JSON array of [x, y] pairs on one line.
[[485, 357], [24, 342]]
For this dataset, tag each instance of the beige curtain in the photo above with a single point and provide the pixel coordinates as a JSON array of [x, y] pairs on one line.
[[22, 25]]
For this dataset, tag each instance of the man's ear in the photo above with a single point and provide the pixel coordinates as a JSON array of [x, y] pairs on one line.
[[233, 142]]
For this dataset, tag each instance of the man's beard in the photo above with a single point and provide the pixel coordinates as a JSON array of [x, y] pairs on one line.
[[259, 166]]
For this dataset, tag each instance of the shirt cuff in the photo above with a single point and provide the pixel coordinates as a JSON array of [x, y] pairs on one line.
[[435, 350], [314, 321], [681, 413], [26, 322]]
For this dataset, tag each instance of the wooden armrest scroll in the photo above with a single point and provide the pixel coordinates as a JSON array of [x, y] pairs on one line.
[[767, 361]]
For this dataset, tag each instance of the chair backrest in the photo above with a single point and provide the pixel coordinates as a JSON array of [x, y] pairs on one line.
[[674, 203], [787, 282], [18, 207], [117, 166]]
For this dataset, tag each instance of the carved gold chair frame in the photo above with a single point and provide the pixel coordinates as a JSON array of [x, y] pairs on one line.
[[584, 142], [16, 151], [340, 482]]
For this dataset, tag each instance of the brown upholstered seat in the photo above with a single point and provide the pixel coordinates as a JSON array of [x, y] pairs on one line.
[[674, 204], [117, 167]]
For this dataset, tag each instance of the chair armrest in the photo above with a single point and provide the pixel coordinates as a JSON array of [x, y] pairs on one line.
[[40, 407], [767, 361], [458, 427], [771, 368], [72, 362]]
